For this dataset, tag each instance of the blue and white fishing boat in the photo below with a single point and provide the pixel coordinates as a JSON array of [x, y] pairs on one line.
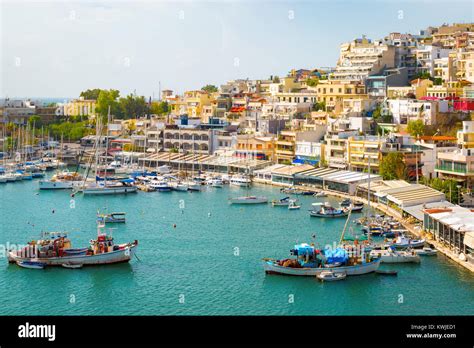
[[327, 211], [111, 218], [402, 242], [31, 264], [284, 202], [309, 261]]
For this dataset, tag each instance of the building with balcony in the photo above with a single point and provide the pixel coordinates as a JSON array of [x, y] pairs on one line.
[[459, 164], [405, 110], [376, 85], [362, 150], [334, 93], [417, 89], [362, 57], [17, 111], [426, 56], [188, 140], [257, 147], [285, 147]]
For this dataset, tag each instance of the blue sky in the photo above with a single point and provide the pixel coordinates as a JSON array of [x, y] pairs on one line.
[[58, 49]]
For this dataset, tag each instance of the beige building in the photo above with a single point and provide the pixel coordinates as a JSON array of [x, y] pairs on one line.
[[334, 93]]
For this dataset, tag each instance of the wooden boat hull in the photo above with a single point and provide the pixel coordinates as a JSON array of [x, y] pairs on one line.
[[116, 256], [271, 268]]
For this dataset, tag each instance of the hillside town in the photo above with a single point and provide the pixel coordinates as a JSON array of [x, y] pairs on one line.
[[394, 118]]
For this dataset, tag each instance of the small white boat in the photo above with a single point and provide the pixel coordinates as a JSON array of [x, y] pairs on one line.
[[392, 256], [193, 186], [327, 211], [160, 186], [320, 194], [426, 251], [215, 182], [293, 205], [248, 200], [178, 186], [31, 264], [111, 218], [330, 276], [3, 179], [241, 181], [404, 242], [109, 189], [284, 202], [72, 265]]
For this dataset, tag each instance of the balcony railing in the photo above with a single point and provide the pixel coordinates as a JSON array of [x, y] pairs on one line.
[[454, 170]]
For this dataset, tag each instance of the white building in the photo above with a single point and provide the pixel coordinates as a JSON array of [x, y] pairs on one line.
[[405, 110]]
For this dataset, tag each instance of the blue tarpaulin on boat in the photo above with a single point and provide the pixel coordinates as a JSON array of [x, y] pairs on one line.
[[336, 255], [305, 160], [303, 249], [128, 180]]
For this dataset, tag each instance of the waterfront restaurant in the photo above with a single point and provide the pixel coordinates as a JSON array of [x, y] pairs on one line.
[[334, 179], [453, 227], [286, 175], [203, 162], [401, 197], [265, 175]]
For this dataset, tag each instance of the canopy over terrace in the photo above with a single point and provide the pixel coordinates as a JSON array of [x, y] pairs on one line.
[[203, 162], [413, 195], [334, 179]]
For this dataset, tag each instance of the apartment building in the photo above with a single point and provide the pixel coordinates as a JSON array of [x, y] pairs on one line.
[[17, 111], [362, 150], [334, 93], [426, 56], [459, 164], [405, 110], [192, 140], [361, 58]]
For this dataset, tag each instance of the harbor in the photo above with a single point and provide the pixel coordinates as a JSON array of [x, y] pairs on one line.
[[198, 254]]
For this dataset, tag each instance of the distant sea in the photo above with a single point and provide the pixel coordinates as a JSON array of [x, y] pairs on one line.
[[41, 100]]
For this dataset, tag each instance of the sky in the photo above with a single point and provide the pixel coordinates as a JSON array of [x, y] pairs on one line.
[[58, 48]]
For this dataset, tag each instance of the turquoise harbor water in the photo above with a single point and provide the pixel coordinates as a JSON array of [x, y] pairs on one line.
[[196, 261]]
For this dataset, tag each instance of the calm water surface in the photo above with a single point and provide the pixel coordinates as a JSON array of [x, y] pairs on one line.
[[196, 261]]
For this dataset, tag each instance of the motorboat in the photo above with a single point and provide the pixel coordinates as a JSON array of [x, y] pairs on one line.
[[178, 186], [356, 207], [388, 255], [293, 205], [386, 272], [248, 200], [192, 185], [111, 218], [403, 242], [284, 202], [160, 185], [345, 203], [320, 194], [310, 261], [215, 182], [330, 276], [327, 211], [426, 251], [30, 264], [241, 181]]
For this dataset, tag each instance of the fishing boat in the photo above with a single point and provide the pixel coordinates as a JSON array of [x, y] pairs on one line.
[[111, 218], [284, 202], [330, 276], [389, 255], [426, 251], [310, 261], [31, 264], [248, 200], [403, 242], [293, 205], [356, 207], [61, 181], [55, 249], [327, 211], [160, 185], [241, 181]]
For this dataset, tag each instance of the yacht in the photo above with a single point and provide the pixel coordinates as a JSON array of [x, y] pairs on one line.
[[241, 181]]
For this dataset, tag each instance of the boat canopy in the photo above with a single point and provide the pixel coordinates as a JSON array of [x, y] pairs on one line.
[[128, 180], [336, 255], [303, 249]]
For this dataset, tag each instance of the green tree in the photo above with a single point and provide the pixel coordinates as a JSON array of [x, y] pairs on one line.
[[132, 106], [416, 128], [312, 82], [35, 121], [319, 106], [209, 88], [393, 167], [108, 98], [160, 108], [91, 94]]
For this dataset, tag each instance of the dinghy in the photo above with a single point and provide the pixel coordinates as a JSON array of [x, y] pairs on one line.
[[330, 276], [31, 264]]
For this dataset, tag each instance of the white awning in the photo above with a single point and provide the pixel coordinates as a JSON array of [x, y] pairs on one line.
[[469, 239]]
